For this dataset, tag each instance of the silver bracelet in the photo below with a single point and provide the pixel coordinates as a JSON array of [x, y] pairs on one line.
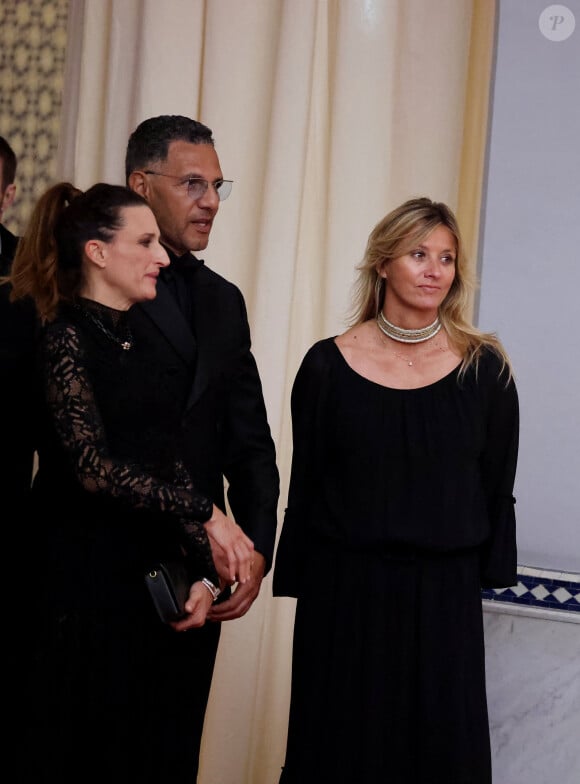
[[213, 589]]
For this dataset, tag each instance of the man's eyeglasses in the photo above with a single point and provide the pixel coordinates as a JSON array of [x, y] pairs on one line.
[[197, 187]]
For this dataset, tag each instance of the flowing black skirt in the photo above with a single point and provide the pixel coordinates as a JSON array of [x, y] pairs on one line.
[[388, 678]]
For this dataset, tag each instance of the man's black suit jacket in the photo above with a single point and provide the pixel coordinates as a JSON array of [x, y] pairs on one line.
[[8, 242], [226, 435], [17, 400]]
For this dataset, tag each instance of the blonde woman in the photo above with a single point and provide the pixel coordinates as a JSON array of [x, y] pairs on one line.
[[400, 509]]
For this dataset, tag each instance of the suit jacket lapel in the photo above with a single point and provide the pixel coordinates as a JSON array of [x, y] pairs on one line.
[[171, 322], [202, 321], [168, 317]]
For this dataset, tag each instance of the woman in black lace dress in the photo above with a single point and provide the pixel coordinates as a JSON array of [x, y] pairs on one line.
[[108, 681], [400, 508]]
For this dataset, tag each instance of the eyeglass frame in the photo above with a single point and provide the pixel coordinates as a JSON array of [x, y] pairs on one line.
[[188, 180]]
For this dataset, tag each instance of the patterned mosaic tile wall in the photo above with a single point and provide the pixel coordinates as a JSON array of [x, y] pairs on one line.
[[549, 590], [32, 53]]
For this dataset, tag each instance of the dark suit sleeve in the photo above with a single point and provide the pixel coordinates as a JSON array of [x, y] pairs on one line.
[[17, 395], [250, 458], [8, 245]]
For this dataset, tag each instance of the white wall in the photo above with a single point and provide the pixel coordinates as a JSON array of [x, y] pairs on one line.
[[530, 263]]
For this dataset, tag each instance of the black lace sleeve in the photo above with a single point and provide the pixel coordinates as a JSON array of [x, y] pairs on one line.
[[78, 424]]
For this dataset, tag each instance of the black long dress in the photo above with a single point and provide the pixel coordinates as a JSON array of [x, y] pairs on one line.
[[400, 508], [110, 687]]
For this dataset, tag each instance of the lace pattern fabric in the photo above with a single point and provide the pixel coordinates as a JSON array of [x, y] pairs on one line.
[[84, 365]]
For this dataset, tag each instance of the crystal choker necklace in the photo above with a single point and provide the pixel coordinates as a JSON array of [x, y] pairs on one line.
[[407, 335]]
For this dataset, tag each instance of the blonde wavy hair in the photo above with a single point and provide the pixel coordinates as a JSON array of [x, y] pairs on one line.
[[398, 233]]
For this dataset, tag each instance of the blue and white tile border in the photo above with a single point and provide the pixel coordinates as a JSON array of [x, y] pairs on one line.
[[539, 593]]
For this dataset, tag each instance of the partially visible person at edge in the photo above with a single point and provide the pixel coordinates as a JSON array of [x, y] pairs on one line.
[[8, 240], [197, 329], [108, 682], [400, 508], [17, 328]]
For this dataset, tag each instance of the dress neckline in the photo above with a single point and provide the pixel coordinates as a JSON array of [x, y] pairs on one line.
[[451, 374]]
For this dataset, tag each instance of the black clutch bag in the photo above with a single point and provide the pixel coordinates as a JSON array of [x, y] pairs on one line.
[[169, 585]]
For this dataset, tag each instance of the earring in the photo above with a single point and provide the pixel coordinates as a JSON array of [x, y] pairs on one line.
[[378, 292]]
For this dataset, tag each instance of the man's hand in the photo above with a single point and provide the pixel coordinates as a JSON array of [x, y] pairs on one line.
[[236, 550], [243, 596]]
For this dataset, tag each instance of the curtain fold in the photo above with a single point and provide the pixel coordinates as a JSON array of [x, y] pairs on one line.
[[326, 114], [475, 131]]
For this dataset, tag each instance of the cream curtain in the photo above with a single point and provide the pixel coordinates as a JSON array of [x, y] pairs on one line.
[[326, 114]]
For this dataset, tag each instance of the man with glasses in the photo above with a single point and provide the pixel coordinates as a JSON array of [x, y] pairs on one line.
[[197, 327]]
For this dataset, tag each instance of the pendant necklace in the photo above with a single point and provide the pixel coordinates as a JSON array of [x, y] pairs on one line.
[[411, 362], [126, 342]]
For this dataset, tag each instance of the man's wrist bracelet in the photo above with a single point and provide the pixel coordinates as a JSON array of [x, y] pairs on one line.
[[213, 589]]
